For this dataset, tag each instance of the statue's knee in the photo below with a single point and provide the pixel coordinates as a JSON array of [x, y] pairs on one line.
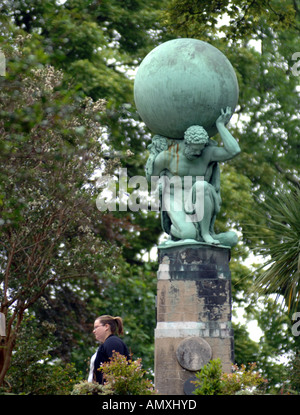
[[186, 231]]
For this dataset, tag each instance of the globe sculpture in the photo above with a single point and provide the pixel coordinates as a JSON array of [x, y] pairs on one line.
[[184, 82]]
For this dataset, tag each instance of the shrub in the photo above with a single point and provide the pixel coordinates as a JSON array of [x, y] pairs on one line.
[[41, 378], [212, 381], [91, 388], [33, 370], [126, 377], [209, 379], [243, 381], [122, 377]]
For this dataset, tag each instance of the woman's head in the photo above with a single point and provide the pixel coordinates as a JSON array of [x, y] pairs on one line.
[[106, 325]]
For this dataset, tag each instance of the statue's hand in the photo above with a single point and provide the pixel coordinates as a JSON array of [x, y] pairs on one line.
[[224, 117]]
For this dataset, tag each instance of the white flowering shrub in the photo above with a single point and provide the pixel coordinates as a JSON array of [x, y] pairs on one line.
[[51, 143]]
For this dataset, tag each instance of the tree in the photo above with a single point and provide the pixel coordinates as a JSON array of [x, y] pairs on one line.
[[280, 249], [32, 370], [99, 60], [96, 61], [50, 147], [268, 127]]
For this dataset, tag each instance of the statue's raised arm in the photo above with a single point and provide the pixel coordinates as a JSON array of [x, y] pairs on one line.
[[231, 147]]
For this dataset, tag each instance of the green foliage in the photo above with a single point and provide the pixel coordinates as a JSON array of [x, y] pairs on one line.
[[91, 388], [132, 294], [212, 381], [32, 370], [41, 378], [51, 144], [245, 349], [113, 37], [243, 380], [267, 127], [294, 371], [281, 249], [122, 377], [126, 377], [277, 341], [190, 18], [274, 350]]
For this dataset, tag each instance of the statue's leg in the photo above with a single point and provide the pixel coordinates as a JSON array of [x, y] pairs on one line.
[[209, 211], [181, 228]]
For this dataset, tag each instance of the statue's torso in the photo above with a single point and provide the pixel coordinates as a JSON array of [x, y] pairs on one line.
[[175, 161]]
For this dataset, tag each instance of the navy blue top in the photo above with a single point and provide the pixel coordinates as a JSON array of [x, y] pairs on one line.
[[105, 351]]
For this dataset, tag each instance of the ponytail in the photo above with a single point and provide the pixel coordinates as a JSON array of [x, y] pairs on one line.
[[119, 323], [115, 323]]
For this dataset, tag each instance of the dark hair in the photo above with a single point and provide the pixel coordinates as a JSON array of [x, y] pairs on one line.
[[115, 323]]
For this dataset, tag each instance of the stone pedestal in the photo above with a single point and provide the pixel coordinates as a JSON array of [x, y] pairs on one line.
[[193, 314]]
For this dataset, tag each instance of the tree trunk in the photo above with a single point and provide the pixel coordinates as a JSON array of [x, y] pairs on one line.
[[9, 342], [2, 345]]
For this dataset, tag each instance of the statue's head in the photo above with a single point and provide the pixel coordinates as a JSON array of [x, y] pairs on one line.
[[195, 139]]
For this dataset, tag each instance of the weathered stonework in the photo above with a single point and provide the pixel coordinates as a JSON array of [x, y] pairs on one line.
[[193, 301]]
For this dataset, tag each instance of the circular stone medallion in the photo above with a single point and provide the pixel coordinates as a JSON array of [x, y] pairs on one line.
[[193, 353]]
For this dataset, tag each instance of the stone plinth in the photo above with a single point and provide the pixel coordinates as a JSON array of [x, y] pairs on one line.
[[193, 314]]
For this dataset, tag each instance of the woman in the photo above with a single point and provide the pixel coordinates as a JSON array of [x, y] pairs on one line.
[[105, 330]]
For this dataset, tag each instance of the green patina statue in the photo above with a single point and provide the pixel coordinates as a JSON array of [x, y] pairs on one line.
[[197, 157], [185, 90]]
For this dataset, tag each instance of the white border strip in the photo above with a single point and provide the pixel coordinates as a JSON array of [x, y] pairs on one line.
[[176, 329], [179, 329]]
